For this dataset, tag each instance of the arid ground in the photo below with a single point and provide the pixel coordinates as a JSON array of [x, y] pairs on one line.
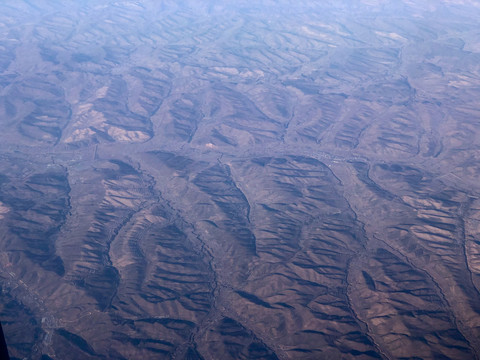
[[240, 179]]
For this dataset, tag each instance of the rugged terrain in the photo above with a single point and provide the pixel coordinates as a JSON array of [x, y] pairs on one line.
[[222, 180]]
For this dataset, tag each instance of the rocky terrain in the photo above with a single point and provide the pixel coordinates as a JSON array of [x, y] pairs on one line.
[[227, 180]]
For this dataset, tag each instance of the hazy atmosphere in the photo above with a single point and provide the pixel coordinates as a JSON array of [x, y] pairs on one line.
[[228, 180]]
